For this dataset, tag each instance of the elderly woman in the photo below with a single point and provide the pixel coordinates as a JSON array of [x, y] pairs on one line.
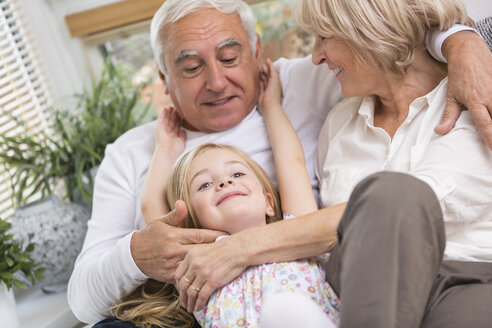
[[398, 92], [389, 231]]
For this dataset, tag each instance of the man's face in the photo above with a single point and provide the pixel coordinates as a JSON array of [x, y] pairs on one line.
[[212, 74]]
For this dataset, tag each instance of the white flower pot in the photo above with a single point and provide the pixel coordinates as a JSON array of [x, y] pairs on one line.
[[8, 308], [58, 229]]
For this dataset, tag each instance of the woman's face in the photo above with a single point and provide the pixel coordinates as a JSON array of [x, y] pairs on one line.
[[353, 77], [225, 193]]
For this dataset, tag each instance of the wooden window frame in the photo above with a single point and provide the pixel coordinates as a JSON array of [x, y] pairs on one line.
[[113, 16]]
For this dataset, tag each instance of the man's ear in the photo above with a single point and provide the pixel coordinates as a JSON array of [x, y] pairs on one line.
[[258, 48], [269, 205], [163, 79]]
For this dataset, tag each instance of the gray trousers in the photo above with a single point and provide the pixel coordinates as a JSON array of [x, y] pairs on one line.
[[387, 267]]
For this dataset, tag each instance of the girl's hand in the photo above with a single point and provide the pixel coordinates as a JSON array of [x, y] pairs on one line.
[[270, 88], [168, 132]]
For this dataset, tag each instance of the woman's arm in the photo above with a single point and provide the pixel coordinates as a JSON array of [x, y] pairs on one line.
[[170, 143], [294, 186]]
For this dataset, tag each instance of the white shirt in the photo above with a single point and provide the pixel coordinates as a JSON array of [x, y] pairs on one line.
[[458, 166], [105, 270]]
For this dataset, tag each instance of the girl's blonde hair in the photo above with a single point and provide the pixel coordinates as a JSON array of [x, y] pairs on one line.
[[382, 34], [156, 303]]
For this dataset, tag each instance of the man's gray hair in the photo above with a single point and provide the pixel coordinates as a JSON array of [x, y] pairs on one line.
[[173, 10]]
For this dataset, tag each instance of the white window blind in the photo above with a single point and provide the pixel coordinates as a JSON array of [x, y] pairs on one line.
[[24, 93]]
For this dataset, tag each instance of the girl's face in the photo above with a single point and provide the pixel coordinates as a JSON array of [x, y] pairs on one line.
[[225, 193]]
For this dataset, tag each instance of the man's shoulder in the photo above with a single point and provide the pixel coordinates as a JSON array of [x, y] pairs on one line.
[[297, 67], [137, 136]]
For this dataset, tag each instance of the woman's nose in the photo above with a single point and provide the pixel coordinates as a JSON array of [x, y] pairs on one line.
[[318, 56]]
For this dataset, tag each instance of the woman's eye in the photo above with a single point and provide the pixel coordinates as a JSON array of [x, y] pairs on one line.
[[204, 186], [237, 175]]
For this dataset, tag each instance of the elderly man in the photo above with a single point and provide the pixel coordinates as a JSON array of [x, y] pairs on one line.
[[208, 55]]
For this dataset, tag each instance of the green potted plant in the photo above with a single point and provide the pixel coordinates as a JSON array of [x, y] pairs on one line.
[[75, 141], [15, 258], [15, 262], [72, 145]]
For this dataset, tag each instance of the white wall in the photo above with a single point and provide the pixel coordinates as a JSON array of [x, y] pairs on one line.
[[478, 9]]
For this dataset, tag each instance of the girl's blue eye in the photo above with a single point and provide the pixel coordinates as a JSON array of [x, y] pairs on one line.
[[204, 186], [237, 175]]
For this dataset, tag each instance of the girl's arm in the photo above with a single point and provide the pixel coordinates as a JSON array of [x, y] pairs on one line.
[[170, 143], [294, 185]]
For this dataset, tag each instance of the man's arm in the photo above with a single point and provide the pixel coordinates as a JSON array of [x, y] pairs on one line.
[[470, 82], [104, 270], [116, 256], [214, 265]]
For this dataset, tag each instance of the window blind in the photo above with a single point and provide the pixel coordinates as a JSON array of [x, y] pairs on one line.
[[24, 93]]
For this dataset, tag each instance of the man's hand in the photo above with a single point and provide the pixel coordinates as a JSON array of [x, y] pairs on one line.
[[207, 268], [470, 82], [159, 247]]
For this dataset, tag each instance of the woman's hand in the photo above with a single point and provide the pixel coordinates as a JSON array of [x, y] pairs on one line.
[[168, 132], [270, 88], [208, 267], [470, 83]]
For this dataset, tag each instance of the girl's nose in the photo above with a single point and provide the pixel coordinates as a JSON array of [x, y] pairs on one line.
[[225, 183]]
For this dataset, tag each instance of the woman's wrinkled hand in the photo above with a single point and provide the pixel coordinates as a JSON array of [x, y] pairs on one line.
[[208, 267]]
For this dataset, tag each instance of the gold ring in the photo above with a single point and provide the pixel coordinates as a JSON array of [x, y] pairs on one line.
[[195, 289], [187, 280]]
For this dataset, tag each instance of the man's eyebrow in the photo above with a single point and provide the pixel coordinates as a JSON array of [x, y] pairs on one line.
[[231, 42], [185, 54]]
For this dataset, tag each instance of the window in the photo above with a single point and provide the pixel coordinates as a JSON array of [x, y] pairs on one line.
[[131, 43], [24, 93]]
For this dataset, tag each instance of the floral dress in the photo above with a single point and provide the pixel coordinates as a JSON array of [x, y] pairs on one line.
[[238, 304]]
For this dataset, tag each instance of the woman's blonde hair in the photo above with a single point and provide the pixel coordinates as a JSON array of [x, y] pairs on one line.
[[156, 303], [382, 34]]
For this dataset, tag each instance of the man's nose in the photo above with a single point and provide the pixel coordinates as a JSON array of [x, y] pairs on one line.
[[216, 79]]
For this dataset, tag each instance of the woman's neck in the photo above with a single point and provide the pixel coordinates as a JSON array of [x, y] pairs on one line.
[[397, 93]]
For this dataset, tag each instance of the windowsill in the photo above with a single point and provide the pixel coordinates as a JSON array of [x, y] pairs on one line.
[[39, 310]]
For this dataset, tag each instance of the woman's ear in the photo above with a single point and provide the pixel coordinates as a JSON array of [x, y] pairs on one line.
[[269, 205]]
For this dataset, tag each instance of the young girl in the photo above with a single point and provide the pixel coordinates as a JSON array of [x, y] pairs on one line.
[[225, 190]]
